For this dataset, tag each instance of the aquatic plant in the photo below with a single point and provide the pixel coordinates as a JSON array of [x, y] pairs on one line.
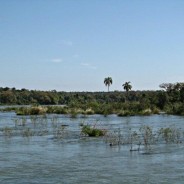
[[27, 132], [81, 124], [88, 111], [148, 137], [34, 120], [74, 112], [135, 139], [60, 132], [170, 135], [35, 110], [57, 109], [125, 113], [92, 131], [7, 131], [23, 121], [114, 137]]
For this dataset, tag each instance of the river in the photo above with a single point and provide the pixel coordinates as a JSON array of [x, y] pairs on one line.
[[45, 158]]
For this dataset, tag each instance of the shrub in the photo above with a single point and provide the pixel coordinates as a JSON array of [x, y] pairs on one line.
[[92, 132]]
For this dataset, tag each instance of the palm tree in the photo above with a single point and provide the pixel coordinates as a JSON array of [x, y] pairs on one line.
[[127, 87], [108, 82]]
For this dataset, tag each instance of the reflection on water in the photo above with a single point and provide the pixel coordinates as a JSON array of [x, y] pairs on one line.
[[45, 160]]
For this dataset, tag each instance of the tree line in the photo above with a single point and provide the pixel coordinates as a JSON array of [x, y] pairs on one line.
[[170, 98]]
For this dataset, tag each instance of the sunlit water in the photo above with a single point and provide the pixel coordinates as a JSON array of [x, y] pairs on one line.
[[75, 159]]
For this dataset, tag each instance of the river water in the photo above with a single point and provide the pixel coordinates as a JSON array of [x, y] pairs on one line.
[[72, 158]]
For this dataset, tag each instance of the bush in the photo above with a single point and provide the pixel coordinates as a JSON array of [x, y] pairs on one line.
[[92, 132]]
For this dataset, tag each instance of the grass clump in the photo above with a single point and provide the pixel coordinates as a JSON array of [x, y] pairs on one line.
[[57, 109], [73, 113], [88, 111], [125, 113], [92, 131], [35, 110]]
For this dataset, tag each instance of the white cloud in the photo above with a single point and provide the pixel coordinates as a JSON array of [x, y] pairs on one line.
[[56, 60], [88, 65]]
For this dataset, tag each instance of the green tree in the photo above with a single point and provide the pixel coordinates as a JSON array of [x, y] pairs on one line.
[[8, 97], [127, 87], [108, 82]]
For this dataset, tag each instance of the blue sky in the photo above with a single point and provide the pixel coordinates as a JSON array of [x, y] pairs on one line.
[[72, 45]]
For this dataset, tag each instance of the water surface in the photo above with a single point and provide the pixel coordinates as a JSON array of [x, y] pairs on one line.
[[75, 159]]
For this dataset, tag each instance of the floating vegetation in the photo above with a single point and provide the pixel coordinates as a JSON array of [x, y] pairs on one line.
[[60, 132], [170, 135], [142, 139], [7, 131], [34, 110], [74, 109], [114, 137], [27, 132], [87, 130], [145, 137]]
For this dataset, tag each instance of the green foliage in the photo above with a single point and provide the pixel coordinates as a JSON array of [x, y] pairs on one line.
[[92, 132], [73, 113], [31, 110], [127, 86], [57, 109], [175, 108], [108, 82], [8, 109], [125, 113], [170, 100]]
